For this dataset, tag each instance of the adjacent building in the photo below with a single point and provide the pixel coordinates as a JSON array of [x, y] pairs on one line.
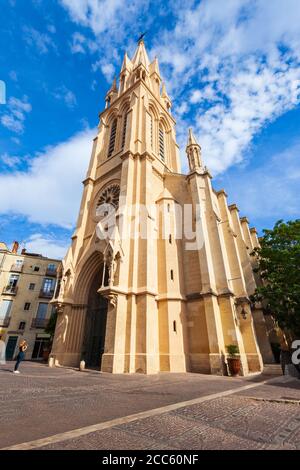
[[27, 284], [162, 301]]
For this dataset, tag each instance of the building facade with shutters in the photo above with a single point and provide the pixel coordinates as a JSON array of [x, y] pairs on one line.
[[27, 283], [159, 272]]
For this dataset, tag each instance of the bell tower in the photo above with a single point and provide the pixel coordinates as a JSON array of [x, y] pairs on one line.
[[134, 149]]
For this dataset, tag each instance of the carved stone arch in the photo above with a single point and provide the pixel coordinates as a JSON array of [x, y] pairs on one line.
[[124, 106], [103, 188], [87, 268], [163, 120], [110, 117], [153, 110], [109, 195], [163, 139]]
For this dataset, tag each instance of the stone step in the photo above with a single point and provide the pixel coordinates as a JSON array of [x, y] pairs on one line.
[[272, 369]]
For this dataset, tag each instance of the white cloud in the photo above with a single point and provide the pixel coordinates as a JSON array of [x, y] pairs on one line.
[[268, 192], [50, 188], [16, 140], [64, 94], [114, 23], [196, 96], [15, 113], [241, 70], [100, 16], [42, 41], [13, 75], [107, 68], [52, 247], [108, 71], [10, 161], [237, 68], [78, 42], [51, 28]]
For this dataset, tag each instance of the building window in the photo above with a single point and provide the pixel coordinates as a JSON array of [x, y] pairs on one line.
[[42, 311], [122, 83], [172, 275], [13, 280], [51, 267], [27, 306], [174, 326], [151, 131], [124, 130], [5, 308], [36, 268], [170, 238], [112, 139], [39, 345], [22, 325], [161, 139], [150, 128], [168, 207], [48, 285], [31, 286]]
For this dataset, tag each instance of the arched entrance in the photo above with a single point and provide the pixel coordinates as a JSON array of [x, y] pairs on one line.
[[95, 324]]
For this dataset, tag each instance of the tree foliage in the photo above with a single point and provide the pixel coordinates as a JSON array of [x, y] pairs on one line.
[[50, 328], [278, 263]]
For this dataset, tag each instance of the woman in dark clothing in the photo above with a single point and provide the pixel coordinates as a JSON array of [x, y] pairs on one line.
[[21, 356]]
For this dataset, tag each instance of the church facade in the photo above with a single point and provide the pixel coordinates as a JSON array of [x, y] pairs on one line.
[[159, 273]]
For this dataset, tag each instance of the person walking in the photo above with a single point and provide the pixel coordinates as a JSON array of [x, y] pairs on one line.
[[21, 356]]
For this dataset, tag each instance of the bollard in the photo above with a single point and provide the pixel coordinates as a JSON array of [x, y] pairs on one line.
[[82, 365], [51, 362]]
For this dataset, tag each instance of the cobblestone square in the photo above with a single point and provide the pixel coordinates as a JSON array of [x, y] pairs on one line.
[[62, 408]]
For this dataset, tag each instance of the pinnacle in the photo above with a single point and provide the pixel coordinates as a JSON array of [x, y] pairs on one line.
[[191, 138]]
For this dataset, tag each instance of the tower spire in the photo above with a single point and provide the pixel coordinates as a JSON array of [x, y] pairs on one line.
[[193, 151], [126, 65], [141, 56], [112, 93]]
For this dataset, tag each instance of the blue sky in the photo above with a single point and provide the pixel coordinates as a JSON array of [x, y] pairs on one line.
[[232, 70]]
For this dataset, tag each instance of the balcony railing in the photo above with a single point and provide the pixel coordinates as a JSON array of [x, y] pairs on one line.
[[10, 290], [5, 322], [39, 322], [17, 268], [51, 272], [46, 294]]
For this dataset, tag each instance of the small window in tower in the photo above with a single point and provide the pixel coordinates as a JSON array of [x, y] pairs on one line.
[[122, 83], [172, 275], [161, 144], [124, 130], [170, 238], [27, 306], [174, 326], [168, 206], [151, 131], [22, 325], [112, 139]]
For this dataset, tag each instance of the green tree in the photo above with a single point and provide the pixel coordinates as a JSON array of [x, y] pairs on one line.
[[50, 328], [278, 263]]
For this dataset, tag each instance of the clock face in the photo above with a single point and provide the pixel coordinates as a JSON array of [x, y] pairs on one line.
[[110, 196]]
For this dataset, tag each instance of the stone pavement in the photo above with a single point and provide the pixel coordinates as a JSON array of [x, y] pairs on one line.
[[98, 410]]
